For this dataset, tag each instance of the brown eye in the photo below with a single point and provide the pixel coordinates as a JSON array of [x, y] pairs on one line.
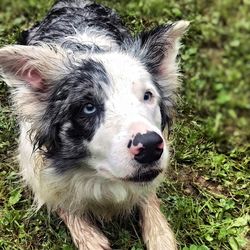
[[148, 96]]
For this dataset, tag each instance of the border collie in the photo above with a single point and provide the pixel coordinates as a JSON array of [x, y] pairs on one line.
[[92, 103]]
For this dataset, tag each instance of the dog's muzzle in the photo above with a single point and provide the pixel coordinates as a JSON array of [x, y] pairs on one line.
[[146, 149]]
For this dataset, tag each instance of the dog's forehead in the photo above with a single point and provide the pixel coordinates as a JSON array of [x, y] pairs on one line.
[[122, 69], [103, 76]]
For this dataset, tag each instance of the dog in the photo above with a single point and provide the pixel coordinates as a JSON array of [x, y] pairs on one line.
[[92, 103]]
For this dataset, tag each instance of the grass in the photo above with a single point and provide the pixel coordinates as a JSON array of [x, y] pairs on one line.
[[206, 196]]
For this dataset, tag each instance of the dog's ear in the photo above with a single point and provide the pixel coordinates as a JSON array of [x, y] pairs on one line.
[[31, 70], [158, 49], [31, 66]]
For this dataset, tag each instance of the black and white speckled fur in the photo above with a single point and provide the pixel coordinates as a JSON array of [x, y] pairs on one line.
[[79, 82], [68, 21]]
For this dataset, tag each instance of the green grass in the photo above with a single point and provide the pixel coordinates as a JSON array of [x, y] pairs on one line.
[[206, 196]]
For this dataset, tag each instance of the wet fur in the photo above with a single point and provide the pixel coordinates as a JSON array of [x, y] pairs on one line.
[[78, 48]]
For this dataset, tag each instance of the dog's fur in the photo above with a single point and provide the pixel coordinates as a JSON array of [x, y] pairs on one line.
[[85, 91]]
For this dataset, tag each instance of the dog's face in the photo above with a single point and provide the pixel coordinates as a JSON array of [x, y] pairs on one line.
[[126, 142], [104, 112]]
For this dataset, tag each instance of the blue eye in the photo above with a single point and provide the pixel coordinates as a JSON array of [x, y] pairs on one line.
[[148, 96], [89, 109]]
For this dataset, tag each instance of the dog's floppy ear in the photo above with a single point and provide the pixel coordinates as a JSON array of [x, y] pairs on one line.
[[159, 47], [31, 70]]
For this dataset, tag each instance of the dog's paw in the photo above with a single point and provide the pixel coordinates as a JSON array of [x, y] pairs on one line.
[[156, 232], [91, 240], [161, 241], [84, 234], [94, 244]]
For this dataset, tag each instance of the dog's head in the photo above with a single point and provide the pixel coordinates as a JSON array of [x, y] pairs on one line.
[[103, 112]]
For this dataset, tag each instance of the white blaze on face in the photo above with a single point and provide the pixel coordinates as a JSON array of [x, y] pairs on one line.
[[126, 114]]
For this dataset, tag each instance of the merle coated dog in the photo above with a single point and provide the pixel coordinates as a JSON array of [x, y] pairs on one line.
[[92, 103]]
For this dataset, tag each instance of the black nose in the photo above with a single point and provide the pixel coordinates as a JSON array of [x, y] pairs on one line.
[[151, 147]]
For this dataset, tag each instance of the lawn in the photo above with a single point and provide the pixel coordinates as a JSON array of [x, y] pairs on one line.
[[205, 196]]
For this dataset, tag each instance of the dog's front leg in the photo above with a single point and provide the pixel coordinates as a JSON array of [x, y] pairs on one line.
[[156, 232], [84, 234]]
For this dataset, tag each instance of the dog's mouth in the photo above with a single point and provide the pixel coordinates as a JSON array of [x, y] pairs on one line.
[[144, 176]]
